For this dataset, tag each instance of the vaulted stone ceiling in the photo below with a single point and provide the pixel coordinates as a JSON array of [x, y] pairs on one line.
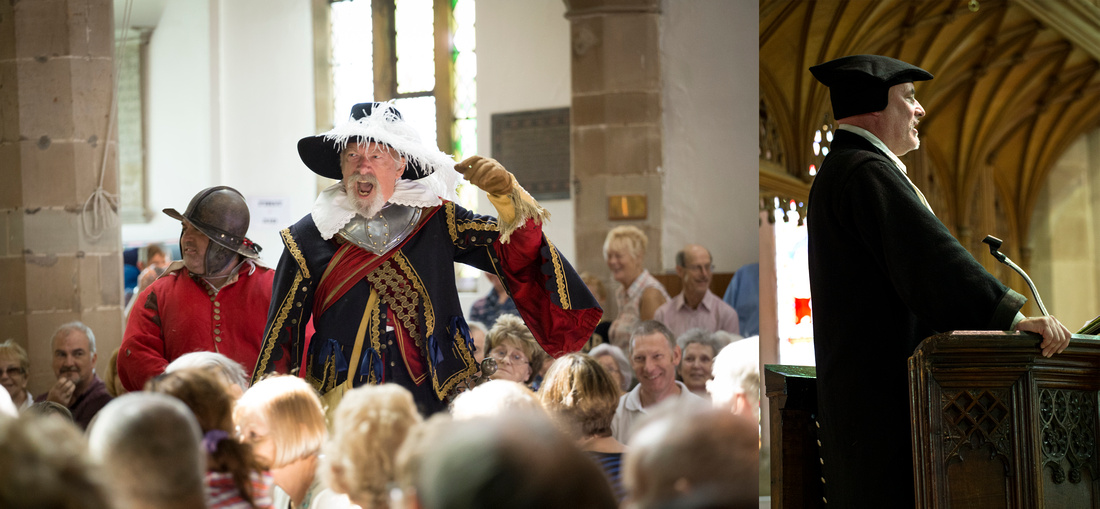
[[1016, 82]]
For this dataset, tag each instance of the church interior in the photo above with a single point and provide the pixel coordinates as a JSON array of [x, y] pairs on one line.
[[219, 92], [665, 100], [1008, 148]]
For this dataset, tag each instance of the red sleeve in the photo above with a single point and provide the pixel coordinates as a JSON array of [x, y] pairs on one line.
[[142, 354], [556, 306]]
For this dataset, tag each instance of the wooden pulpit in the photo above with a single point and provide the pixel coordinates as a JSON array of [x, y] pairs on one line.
[[795, 461], [996, 424]]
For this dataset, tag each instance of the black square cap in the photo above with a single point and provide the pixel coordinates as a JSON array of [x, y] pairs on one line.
[[861, 83]]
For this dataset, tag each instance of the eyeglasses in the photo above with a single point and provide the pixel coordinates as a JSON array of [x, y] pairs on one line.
[[13, 371], [701, 268], [515, 358]]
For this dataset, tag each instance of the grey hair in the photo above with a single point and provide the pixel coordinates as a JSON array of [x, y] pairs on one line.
[[76, 326], [652, 327], [232, 370], [702, 337], [620, 361]]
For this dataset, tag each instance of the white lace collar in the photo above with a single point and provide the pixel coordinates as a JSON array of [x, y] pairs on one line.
[[333, 210]]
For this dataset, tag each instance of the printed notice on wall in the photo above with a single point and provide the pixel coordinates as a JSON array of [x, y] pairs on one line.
[[269, 211]]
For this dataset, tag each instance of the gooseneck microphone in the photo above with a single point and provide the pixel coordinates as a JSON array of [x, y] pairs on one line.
[[994, 245]]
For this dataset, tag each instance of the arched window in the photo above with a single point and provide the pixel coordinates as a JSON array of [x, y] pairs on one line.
[[420, 53]]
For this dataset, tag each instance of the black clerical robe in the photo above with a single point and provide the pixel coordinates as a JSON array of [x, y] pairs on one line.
[[885, 273]]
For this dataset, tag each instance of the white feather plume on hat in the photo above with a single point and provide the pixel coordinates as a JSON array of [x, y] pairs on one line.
[[385, 127]]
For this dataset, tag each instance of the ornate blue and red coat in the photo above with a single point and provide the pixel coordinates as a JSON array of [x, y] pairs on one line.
[[413, 331]]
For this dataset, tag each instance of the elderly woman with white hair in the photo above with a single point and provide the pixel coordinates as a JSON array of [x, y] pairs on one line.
[[281, 417], [639, 294], [614, 361], [698, 348]]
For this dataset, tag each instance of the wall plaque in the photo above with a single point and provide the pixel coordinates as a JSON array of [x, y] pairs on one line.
[[626, 206], [534, 146]]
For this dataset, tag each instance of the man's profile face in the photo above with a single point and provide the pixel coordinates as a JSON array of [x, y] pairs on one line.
[[193, 246], [654, 361], [697, 271], [370, 171], [900, 118], [73, 357]]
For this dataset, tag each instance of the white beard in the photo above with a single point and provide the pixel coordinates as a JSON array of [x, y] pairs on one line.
[[367, 207]]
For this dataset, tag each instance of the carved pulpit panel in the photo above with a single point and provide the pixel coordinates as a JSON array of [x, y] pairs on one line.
[[995, 424]]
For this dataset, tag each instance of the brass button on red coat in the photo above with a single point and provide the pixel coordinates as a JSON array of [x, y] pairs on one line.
[[218, 339]]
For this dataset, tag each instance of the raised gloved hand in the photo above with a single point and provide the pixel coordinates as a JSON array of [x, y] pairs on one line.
[[487, 174]]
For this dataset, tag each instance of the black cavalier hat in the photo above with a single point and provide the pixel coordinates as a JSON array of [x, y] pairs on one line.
[[861, 83], [373, 122]]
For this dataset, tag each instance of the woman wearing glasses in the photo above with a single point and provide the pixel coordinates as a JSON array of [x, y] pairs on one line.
[[515, 350], [13, 373]]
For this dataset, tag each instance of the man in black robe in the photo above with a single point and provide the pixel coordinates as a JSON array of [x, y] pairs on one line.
[[885, 273]]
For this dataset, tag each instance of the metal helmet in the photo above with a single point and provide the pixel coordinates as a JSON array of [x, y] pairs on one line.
[[221, 214]]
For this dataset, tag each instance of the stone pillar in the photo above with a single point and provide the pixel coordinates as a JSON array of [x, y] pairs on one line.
[[616, 122], [56, 67]]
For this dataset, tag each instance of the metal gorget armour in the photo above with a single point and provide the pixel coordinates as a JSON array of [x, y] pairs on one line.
[[382, 232]]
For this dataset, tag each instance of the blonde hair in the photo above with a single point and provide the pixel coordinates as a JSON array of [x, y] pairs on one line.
[[629, 238], [581, 395], [293, 413], [369, 427], [9, 349], [511, 329]]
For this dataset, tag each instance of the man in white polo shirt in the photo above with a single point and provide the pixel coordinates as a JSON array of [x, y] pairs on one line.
[[654, 357]]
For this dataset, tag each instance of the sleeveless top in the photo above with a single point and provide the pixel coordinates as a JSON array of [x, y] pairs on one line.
[[629, 301]]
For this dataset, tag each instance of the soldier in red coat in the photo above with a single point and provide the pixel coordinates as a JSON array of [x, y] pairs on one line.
[[215, 300]]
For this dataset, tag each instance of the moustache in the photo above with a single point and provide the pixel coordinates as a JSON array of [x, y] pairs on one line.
[[73, 369]]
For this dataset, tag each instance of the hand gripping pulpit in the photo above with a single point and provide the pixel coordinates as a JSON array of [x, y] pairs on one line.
[[996, 424]]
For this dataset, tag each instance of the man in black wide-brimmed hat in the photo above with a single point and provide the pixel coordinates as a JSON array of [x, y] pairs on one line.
[[373, 266], [215, 300], [885, 273]]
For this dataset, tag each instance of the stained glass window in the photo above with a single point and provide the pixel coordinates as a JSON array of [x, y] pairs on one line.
[[796, 345], [464, 57], [822, 139], [352, 56], [436, 107]]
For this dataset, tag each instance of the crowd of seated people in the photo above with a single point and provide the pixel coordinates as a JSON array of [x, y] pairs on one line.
[[646, 418], [502, 445]]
